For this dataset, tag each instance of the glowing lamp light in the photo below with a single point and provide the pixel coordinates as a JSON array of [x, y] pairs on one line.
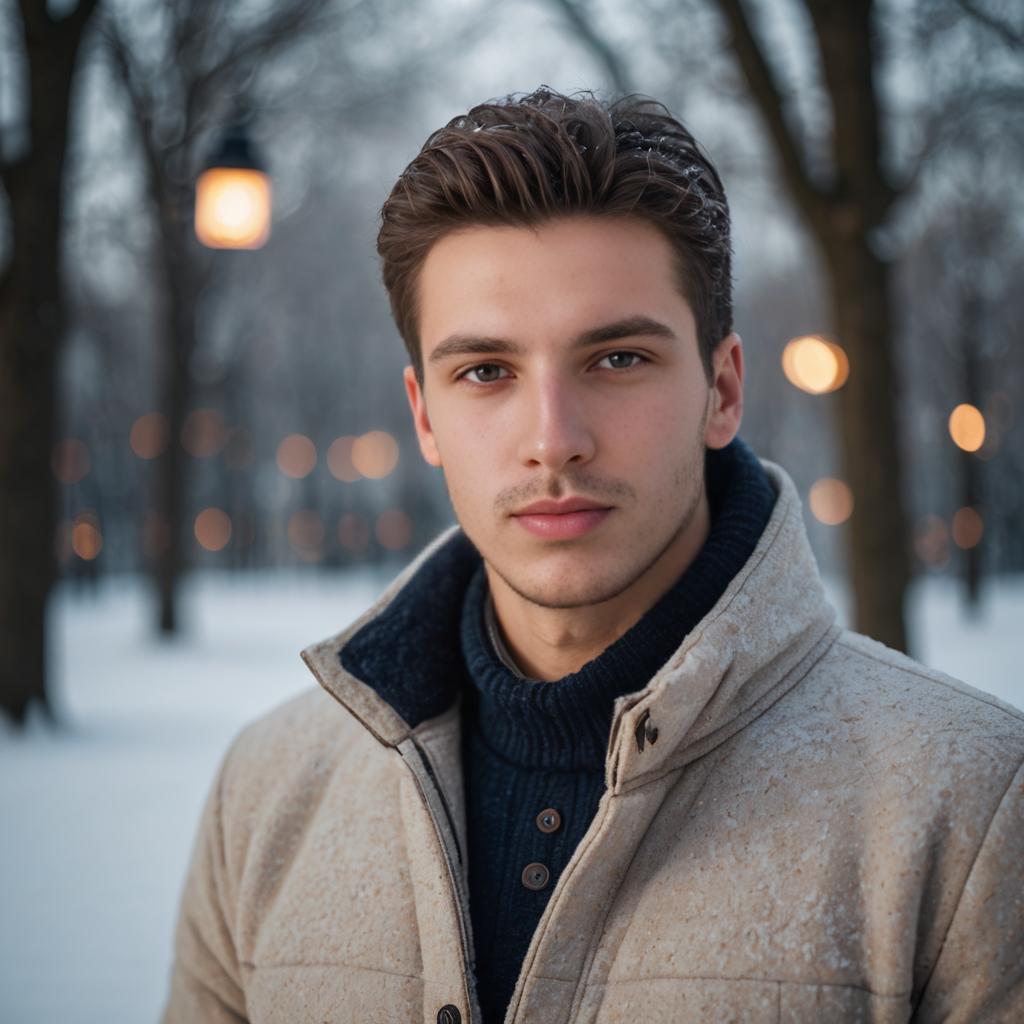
[[233, 197], [967, 427], [815, 365]]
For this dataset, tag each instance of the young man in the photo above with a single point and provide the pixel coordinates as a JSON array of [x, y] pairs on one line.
[[601, 754]]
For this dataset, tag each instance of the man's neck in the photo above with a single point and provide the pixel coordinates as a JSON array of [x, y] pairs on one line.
[[551, 643]]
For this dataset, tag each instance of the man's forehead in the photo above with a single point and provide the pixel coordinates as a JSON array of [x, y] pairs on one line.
[[577, 278], [587, 232]]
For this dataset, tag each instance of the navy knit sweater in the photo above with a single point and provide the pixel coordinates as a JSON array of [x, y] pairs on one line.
[[533, 747]]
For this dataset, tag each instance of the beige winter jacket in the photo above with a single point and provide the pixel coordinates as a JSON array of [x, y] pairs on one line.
[[799, 825]]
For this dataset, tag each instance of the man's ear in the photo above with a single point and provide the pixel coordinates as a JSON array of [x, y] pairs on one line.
[[420, 419], [726, 392]]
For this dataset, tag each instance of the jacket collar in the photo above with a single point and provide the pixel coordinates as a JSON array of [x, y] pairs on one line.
[[765, 631]]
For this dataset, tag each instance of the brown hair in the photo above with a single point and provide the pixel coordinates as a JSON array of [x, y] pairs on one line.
[[526, 159]]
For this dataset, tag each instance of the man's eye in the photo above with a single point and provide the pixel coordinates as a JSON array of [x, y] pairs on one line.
[[485, 373], [620, 360]]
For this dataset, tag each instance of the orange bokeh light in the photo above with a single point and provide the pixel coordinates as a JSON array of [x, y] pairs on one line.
[[86, 538], [831, 501], [375, 454], [967, 527], [339, 460], [931, 541], [967, 427], [296, 456], [353, 532], [233, 208], [306, 534], [212, 529], [394, 529], [815, 365], [148, 436]]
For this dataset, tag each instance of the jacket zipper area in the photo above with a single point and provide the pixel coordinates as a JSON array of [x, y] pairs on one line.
[[444, 826]]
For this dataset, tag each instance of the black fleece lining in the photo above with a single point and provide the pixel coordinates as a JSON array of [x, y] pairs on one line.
[[410, 653]]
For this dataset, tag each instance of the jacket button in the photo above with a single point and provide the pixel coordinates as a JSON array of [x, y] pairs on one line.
[[549, 820], [535, 876], [449, 1015]]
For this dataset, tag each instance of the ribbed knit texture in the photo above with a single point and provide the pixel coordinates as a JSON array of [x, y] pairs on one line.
[[530, 745]]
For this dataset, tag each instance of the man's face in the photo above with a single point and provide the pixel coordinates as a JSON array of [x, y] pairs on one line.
[[561, 367]]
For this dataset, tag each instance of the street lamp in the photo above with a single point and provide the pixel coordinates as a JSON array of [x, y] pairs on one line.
[[233, 196]]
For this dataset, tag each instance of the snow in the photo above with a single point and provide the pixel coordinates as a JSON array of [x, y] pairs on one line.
[[99, 817]]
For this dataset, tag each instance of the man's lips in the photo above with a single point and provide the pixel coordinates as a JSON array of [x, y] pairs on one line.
[[560, 508], [561, 520]]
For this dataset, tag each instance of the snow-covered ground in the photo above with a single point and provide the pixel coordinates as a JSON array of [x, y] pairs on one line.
[[98, 819]]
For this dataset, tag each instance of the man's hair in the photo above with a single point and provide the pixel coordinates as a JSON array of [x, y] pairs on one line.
[[523, 160]]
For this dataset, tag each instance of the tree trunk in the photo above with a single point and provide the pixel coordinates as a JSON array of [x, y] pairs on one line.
[[31, 326], [842, 209], [877, 549], [178, 344], [970, 465]]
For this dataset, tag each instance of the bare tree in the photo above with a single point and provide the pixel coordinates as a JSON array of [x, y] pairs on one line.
[[842, 210], [180, 86], [31, 330]]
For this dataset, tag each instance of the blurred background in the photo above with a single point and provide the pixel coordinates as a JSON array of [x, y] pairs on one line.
[[206, 460]]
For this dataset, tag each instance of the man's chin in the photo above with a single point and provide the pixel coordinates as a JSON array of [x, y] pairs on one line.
[[569, 588]]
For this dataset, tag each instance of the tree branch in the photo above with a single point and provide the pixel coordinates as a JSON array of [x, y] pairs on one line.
[[76, 21], [142, 111], [277, 30], [1009, 35], [845, 36], [959, 109], [583, 25], [768, 96]]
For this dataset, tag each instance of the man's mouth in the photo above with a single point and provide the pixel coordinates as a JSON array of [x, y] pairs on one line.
[[561, 520]]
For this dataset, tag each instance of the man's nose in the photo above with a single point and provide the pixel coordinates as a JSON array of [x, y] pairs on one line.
[[555, 430]]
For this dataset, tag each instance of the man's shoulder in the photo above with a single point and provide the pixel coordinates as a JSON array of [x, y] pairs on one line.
[[305, 736], [311, 712], [883, 671], [890, 701]]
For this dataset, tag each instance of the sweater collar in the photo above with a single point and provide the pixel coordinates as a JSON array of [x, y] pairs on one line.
[[565, 724], [399, 667]]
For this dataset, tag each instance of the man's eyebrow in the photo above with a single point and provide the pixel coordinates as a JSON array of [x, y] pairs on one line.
[[471, 344], [628, 327]]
